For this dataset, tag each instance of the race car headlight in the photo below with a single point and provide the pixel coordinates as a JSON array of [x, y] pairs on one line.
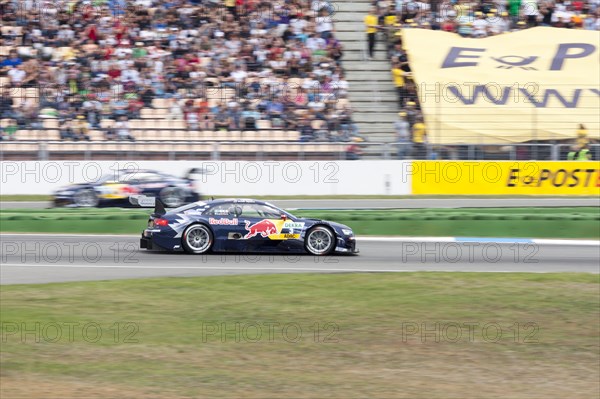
[[347, 232]]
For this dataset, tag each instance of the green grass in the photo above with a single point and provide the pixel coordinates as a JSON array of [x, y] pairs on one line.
[[583, 222], [368, 355], [17, 198]]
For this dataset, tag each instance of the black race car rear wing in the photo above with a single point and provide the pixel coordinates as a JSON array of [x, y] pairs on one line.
[[193, 171], [148, 202]]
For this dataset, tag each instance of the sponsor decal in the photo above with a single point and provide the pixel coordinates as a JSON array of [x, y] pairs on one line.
[[224, 222], [116, 191], [534, 84], [506, 178], [274, 229], [555, 177], [293, 225], [264, 228]]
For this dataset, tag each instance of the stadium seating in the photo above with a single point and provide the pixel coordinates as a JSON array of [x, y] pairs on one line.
[[61, 73]]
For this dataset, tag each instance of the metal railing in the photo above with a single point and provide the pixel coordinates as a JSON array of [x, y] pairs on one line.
[[264, 150]]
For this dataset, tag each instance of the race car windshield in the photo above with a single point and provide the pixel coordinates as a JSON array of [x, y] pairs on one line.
[[114, 178]]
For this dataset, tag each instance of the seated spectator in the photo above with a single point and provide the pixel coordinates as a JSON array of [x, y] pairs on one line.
[[290, 120], [306, 131], [119, 107], [234, 114], [249, 116], [353, 151], [206, 122], [13, 60], [191, 119], [122, 129], [147, 95], [10, 130], [323, 24], [175, 110], [110, 133], [17, 75], [80, 128], [6, 103], [65, 129], [221, 119]]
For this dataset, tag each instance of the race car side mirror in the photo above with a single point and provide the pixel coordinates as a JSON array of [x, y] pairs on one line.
[[283, 217]]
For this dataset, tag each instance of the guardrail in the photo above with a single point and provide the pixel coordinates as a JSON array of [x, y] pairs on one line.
[[263, 150], [170, 150]]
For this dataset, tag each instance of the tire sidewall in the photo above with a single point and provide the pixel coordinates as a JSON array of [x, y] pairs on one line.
[[323, 228], [185, 244], [87, 191]]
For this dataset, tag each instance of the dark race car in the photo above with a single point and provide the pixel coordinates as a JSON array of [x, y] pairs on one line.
[[240, 225], [115, 188]]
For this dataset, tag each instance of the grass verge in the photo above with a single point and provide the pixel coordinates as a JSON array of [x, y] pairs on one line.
[[17, 198], [522, 336], [581, 222]]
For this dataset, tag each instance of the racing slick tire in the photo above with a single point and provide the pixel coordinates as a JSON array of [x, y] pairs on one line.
[[86, 198], [197, 239], [319, 241], [172, 197]]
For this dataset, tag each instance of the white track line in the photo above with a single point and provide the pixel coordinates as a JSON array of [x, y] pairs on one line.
[[294, 269]]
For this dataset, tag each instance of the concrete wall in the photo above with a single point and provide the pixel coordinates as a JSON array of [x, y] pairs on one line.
[[235, 178]]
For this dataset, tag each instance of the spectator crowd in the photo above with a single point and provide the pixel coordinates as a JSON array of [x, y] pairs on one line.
[[216, 64]]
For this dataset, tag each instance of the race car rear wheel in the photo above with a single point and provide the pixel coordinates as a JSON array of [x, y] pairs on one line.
[[86, 198], [197, 239], [319, 241], [172, 197]]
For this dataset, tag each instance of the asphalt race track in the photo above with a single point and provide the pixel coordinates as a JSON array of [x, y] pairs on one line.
[[395, 203], [39, 258]]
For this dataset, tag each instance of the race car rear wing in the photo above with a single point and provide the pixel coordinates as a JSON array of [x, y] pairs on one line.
[[148, 202], [193, 171]]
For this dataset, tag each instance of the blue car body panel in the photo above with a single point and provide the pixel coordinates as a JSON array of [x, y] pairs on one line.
[[253, 234]]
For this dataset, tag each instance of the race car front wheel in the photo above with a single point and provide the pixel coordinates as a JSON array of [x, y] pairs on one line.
[[197, 239], [319, 241], [86, 198]]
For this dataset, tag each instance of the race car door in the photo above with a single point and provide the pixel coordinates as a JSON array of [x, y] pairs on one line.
[[264, 227], [225, 224]]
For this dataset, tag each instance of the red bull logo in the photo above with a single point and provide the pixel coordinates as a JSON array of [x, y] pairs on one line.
[[265, 228]]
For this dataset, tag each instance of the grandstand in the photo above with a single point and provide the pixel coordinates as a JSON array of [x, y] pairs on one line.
[[200, 80]]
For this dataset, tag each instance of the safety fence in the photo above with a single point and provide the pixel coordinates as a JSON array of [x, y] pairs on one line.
[[289, 150]]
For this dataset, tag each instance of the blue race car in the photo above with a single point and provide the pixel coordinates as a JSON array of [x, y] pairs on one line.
[[114, 189], [240, 225]]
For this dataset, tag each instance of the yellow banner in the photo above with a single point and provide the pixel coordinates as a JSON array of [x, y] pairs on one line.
[[505, 178], [535, 84]]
